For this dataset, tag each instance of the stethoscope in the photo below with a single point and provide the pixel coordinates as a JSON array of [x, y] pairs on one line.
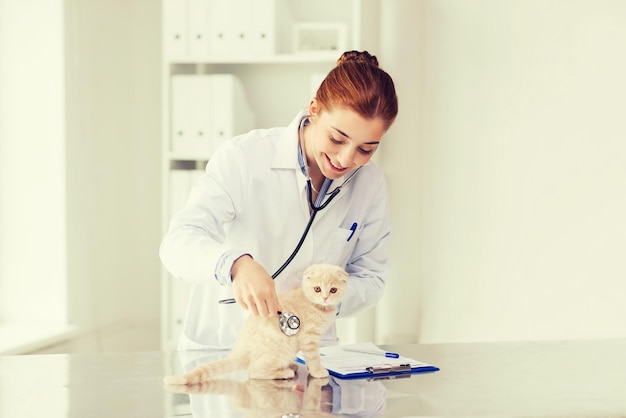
[[290, 323]]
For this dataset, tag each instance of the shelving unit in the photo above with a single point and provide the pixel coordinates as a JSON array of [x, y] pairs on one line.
[[275, 71]]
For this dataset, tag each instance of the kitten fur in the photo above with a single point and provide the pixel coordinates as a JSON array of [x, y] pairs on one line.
[[268, 398], [262, 348]]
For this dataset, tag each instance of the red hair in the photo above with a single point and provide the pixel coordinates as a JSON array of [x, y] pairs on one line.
[[358, 83]]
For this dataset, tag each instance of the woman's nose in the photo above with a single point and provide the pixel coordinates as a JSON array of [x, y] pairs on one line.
[[346, 157]]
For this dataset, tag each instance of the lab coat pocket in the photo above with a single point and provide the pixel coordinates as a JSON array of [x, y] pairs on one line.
[[341, 244]]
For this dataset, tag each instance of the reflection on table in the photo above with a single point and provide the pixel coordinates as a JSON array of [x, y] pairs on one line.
[[303, 396], [584, 378]]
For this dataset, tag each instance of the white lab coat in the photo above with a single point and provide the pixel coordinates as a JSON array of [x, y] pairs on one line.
[[253, 198]]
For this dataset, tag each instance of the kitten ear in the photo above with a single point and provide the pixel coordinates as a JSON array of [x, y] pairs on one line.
[[310, 272], [343, 275]]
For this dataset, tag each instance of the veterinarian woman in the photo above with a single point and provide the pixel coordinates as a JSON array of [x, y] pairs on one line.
[[246, 215]]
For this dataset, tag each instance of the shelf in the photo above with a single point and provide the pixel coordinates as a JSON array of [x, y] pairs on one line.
[[177, 156], [186, 161], [321, 58]]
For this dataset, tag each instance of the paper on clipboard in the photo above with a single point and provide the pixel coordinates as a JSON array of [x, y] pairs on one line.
[[349, 364]]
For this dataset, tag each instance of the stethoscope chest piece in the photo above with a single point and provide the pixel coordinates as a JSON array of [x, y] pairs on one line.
[[289, 323]]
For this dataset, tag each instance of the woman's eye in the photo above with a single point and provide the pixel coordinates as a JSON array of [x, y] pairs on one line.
[[317, 289], [333, 290], [361, 150]]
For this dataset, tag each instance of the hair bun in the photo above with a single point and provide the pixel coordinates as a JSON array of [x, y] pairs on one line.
[[359, 56]]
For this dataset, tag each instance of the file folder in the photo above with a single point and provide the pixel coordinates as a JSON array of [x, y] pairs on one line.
[[230, 24], [230, 110], [345, 364], [198, 28], [175, 29], [191, 115], [262, 33], [206, 110]]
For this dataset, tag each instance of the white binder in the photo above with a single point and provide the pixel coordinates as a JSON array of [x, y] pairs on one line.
[[222, 30], [243, 27], [179, 120], [240, 21], [175, 28], [206, 110], [232, 115], [199, 28], [263, 23], [219, 28], [191, 114]]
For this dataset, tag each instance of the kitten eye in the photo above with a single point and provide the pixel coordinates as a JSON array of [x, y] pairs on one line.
[[333, 290], [317, 289]]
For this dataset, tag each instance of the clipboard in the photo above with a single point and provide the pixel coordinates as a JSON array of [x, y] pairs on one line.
[[368, 361]]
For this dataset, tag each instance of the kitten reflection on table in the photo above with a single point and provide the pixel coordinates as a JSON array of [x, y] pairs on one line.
[[237, 396], [268, 398]]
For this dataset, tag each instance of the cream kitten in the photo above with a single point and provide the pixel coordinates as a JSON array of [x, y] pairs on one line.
[[268, 398], [264, 350]]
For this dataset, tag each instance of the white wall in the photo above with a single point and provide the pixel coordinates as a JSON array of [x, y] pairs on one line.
[[32, 164], [113, 73], [399, 155], [512, 133], [79, 167]]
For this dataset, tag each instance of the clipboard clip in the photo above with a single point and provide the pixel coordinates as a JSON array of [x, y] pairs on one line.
[[390, 377], [387, 368]]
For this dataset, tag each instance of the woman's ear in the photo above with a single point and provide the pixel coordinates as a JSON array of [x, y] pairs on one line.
[[313, 108]]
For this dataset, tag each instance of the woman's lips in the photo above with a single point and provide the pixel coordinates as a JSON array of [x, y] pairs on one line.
[[334, 167]]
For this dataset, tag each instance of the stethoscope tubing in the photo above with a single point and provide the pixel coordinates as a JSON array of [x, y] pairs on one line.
[[314, 210]]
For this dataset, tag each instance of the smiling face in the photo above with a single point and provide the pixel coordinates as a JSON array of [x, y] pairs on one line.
[[338, 140]]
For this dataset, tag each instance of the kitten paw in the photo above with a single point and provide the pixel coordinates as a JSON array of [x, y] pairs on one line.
[[318, 373], [313, 382]]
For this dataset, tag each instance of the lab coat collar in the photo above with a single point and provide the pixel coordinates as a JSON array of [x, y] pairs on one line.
[[287, 147]]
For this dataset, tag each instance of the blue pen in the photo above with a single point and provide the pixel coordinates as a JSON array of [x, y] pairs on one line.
[[353, 229], [376, 353]]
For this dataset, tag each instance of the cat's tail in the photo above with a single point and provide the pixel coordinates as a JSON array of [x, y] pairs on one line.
[[203, 372]]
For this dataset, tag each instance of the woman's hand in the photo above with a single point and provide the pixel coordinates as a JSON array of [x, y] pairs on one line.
[[253, 287]]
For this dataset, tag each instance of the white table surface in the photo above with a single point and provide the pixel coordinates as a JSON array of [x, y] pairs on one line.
[[584, 378]]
